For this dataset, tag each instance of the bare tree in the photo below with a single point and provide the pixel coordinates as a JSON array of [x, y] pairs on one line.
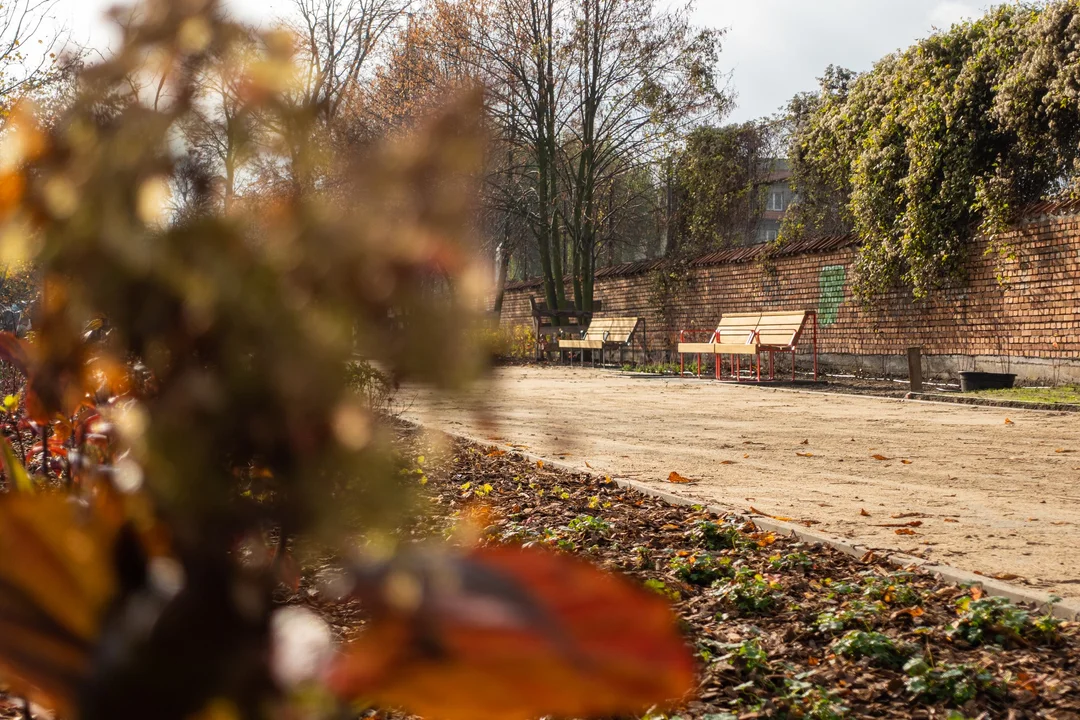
[[221, 129], [29, 42], [642, 77], [340, 38]]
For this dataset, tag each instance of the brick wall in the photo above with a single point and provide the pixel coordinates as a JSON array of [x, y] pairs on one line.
[[1027, 322]]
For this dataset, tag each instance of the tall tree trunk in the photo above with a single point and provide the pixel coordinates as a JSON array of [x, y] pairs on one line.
[[501, 270]]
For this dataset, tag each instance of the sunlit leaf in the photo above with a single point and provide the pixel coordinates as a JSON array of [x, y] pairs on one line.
[[14, 470], [678, 479], [509, 634], [56, 580]]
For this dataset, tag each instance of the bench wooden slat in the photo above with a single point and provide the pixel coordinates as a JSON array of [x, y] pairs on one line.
[[696, 348]]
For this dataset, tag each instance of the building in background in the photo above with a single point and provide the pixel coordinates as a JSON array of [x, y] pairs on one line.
[[778, 199]]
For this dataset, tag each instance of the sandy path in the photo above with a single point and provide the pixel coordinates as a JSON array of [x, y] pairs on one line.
[[993, 497]]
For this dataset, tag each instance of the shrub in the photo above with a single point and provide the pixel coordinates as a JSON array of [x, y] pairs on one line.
[[879, 648], [700, 569], [997, 621], [950, 684]]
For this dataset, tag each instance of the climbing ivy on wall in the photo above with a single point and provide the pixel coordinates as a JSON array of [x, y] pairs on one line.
[[952, 137]]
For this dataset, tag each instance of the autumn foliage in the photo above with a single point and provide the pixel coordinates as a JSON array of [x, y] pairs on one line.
[[185, 426]]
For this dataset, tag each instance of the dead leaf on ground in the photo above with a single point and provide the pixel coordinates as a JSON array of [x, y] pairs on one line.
[[727, 462], [496, 453], [907, 462], [901, 516], [1004, 577], [906, 531], [864, 513], [912, 612], [805, 442], [951, 520], [805, 454], [781, 518], [869, 557], [1009, 422], [588, 465], [912, 524], [880, 457], [540, 464], [678, 479]]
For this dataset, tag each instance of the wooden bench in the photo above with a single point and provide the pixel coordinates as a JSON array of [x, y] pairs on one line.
[[602, 333], [740, 334], [550, 324]]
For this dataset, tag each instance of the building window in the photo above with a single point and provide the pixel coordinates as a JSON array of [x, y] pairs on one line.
[[777, 201], [771, 235]]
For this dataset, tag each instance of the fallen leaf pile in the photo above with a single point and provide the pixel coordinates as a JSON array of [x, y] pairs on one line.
[[782, 629]]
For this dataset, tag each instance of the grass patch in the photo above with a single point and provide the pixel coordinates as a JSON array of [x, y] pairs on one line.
[[1064, 395]]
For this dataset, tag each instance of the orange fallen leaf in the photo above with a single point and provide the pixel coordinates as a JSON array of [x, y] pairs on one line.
[[951, 520], [880, 457], [1009, 422], [912, 524], [805, 454], [548, 634], [540, 464], [781, 518], [496, 453], [669, 526], [675, 477], [906, 531], [907, 462], [727, 462], [588, 465], [864, 513], [745, 457], [977, 591], [912, 612]]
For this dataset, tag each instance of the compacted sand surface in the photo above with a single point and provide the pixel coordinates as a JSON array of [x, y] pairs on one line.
[[988, 490]]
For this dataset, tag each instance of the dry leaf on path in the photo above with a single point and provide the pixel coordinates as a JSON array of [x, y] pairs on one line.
[[727, 462], [805, 442], [678, 479], [805, 454], [864, 513], [880, 457], [1009, 422], [906, 531], [781, 518], [540, 464], [912, 524], [907, 462], [951, 520], [496, 453]]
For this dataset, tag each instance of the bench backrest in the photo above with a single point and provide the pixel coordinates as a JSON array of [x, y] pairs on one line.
[[611, 329], [737, 328], [780, 328]]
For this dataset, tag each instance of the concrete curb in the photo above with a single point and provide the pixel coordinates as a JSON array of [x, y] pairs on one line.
[[822, 388], [1065, 609], [987, 402]]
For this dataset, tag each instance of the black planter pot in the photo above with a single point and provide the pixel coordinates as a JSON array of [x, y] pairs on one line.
[[971, 381]]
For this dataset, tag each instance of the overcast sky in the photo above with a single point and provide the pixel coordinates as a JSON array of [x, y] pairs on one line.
[[774, 48]]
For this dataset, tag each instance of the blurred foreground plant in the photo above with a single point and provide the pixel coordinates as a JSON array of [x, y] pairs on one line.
[[193, 371]]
